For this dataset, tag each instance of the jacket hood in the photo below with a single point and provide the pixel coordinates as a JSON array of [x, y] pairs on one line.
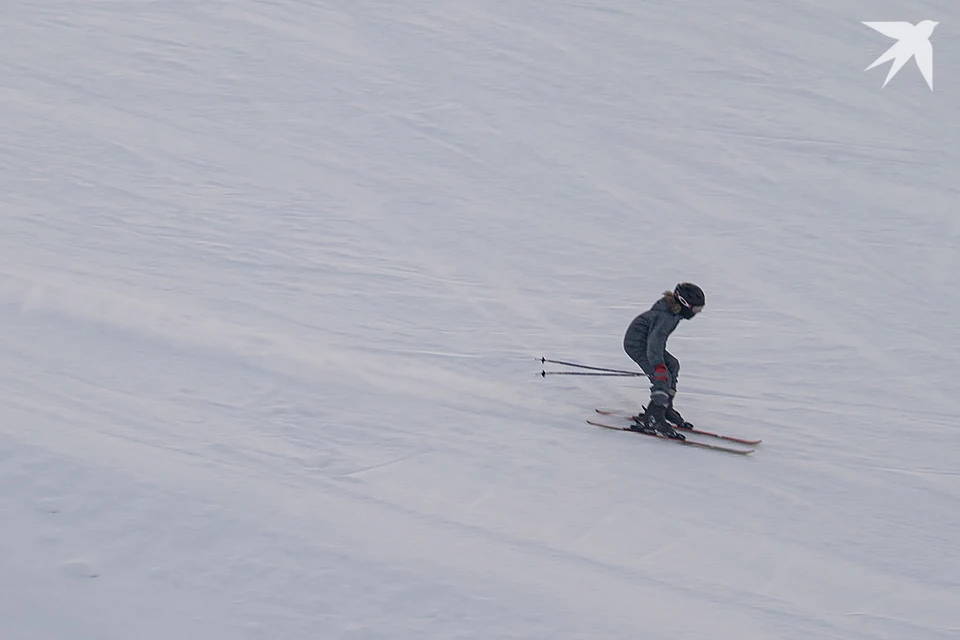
[[671, 303]]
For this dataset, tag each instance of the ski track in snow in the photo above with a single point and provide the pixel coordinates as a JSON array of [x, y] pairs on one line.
[[274, 275]]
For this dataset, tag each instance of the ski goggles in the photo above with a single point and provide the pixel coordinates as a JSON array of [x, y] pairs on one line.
[[694, 309]]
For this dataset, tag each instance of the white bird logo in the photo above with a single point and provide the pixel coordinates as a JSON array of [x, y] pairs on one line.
[[913, 42]]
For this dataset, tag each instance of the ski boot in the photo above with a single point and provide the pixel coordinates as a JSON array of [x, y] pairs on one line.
[[673, 416], [640, 424], [652, 421]]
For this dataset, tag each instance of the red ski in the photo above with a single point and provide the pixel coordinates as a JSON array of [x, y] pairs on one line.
[[628, 416], [689, 443]]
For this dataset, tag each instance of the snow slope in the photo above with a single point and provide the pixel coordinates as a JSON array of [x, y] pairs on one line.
[[273, 275]]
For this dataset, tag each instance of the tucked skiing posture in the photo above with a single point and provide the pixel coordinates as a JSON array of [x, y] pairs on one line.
[[646, 343]]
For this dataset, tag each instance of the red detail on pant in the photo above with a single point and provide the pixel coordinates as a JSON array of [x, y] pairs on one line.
[[660, 373]]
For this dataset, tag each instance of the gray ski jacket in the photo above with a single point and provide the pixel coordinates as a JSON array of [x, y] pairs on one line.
[[646, 338]]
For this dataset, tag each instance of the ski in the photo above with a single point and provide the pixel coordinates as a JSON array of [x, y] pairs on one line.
[[691, 443], [709, 434]]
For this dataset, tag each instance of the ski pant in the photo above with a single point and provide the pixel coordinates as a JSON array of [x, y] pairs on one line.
[[661, 391]]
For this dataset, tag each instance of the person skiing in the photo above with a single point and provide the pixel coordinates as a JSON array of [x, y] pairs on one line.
[[646, 343]]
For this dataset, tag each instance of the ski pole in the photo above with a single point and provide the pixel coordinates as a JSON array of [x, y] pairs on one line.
[[588, 373], [583, 366]]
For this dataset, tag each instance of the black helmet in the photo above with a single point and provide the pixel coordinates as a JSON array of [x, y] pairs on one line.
[[691, 299]]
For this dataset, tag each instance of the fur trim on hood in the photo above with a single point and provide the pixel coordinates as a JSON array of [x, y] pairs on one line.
[[672, 302]]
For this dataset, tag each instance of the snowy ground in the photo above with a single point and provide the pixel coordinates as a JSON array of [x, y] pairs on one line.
[[273, 275]]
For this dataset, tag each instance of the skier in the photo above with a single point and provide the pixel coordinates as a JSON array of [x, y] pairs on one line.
[[646, 343]]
